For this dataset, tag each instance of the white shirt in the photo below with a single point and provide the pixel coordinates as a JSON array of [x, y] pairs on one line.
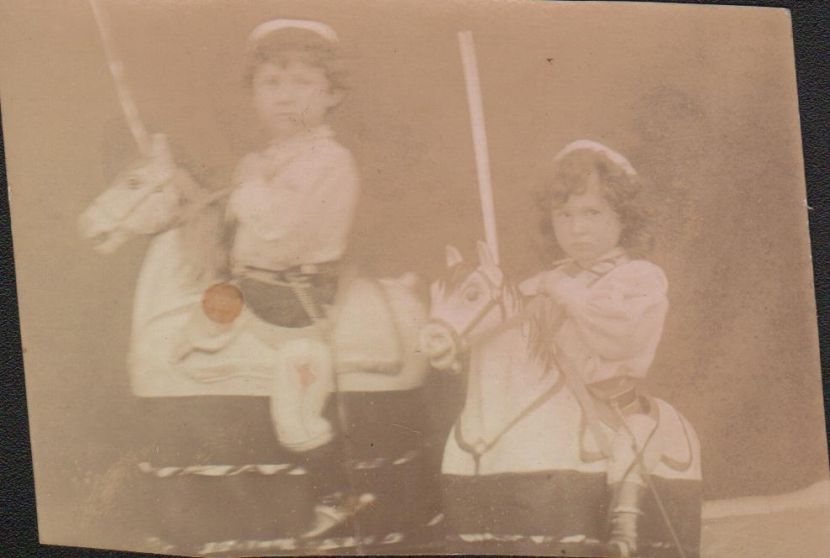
[[293, 203], [614, 314]]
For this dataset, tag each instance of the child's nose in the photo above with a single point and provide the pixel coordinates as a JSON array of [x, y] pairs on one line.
[[579, 225]]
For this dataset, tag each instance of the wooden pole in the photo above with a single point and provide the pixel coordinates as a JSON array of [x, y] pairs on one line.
[[137, 128], [485, 185]]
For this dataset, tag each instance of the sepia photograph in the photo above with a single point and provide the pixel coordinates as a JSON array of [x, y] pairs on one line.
[[491, 277]]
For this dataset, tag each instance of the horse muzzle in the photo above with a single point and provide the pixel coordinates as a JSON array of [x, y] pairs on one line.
[[105, 236], [441, 346]]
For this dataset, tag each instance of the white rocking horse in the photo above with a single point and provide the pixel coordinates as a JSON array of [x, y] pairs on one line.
[[374, 330], [521, 467], [367, 347]]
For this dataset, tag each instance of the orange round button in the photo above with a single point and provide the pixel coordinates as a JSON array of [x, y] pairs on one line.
[[222, 302]]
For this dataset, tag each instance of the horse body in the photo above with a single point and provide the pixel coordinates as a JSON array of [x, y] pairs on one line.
[[521, 447], [253, 398], [506, 383], [374, 333], [243, 362]]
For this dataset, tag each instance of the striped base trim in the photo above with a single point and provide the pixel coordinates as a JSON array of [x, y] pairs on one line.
[[576, 545], [266, 469], [537, 539], [221, 470], [295, 545]]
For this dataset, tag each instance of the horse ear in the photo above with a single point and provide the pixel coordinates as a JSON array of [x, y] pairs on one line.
[[453, 256]]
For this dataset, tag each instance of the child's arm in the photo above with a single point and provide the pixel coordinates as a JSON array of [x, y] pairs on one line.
[[620, 315]]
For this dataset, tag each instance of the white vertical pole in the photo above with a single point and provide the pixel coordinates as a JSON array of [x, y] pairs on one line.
[[128, 105], [485, 185]]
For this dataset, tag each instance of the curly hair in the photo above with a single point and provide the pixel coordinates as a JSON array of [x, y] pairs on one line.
[[622, 189], [289, 45]]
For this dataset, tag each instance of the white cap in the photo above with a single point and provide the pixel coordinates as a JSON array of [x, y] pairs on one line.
[[266, 28], [596, 147]]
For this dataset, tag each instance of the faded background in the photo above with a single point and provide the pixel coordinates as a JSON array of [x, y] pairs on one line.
[[702, 100]]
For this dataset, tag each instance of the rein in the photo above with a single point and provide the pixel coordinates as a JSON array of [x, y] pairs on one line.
[[579, 390], [568, 376], [497, 299], [519, 318], [464, 340], [478, 449]]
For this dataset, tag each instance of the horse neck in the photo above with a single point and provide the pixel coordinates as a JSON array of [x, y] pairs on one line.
[[204, 239], [507, 349]]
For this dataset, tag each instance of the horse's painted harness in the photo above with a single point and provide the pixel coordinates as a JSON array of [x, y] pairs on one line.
[[464, 341]]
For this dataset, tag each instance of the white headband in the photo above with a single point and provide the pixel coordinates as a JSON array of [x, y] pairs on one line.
[[268, 27], [597, 147]]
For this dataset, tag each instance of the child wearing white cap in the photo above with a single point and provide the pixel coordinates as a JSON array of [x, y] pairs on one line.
[[291, 212], [608, 305], [293, 201], [288, 217]]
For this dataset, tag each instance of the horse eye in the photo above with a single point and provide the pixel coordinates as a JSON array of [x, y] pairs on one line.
[[472, 295], [133, 181]]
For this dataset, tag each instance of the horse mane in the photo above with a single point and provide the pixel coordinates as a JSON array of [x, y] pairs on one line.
[[544, 322], [204, 232]]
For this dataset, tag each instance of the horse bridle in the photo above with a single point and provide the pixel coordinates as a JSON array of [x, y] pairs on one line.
[[462, 339], [476, 450]]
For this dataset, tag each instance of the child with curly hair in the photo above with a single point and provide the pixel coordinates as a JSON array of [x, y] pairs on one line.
[[608, 305]]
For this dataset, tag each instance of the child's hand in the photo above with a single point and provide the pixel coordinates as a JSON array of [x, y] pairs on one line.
[[561, 288], [535, 285]]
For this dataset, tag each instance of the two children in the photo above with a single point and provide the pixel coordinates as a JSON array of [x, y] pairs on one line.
[[291, 209], [611, 306]]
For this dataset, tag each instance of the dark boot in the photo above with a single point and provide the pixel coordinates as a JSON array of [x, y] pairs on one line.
[[330, 488], [326, 469], [626, 511]]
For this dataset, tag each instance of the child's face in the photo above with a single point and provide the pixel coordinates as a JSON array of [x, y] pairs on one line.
[[292, 97], [586, 226]]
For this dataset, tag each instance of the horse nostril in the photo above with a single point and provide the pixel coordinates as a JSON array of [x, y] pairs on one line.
[[437, 346], [436, 343]]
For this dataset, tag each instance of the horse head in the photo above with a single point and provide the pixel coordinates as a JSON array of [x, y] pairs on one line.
[[138, 202], [467, 302]]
